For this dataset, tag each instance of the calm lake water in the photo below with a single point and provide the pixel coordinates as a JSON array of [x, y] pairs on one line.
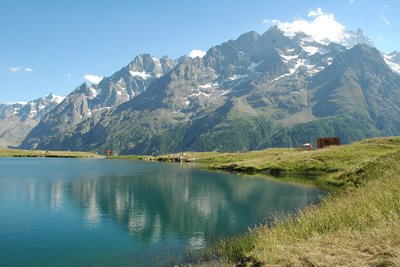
[[91, 212]]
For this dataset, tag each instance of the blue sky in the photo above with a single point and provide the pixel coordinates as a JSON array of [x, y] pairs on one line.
[[49, 46]]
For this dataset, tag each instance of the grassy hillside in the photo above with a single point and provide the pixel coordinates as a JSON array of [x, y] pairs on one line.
[[327, 168], [356, 228], [6, 152], [357, 225]]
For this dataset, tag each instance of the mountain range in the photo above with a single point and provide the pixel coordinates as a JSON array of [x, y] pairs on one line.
[[18, 119], [254, 92]]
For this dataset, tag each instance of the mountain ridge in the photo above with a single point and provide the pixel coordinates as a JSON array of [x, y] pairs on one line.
[[253, 92], [18, 119]]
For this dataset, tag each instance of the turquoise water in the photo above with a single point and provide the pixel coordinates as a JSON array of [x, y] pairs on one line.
[[97, 212]]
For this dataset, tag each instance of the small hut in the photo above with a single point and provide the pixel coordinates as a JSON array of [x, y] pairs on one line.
[[328, 141]]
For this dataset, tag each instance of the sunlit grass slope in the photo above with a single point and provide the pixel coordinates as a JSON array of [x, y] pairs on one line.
[[327, 168], [356, 226]]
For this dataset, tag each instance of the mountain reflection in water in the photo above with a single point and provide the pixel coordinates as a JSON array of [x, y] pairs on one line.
[[98, 210]]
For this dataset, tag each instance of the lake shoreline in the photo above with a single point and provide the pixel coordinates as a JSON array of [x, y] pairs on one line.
[[356, 224], [19, 153], [325, 168]]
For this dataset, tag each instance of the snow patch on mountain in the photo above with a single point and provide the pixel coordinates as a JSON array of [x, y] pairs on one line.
[[289, 58], [100, 109], [57, 99], [32, 113], [93, 93], [237, 77], [198, 93], [141, 74], [293, 61], [36, 108], [297, 64], [311, 50], [158, 64], [390, 62], [205, 86]]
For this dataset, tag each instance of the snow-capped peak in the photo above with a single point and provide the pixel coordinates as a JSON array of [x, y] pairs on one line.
[[350, 39], [316, 28], [394, 56], [55, 98], [392, 62], [36, 108], [347, 39]]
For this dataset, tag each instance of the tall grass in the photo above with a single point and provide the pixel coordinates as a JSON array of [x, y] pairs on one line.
[[356, 228], [359, 229]]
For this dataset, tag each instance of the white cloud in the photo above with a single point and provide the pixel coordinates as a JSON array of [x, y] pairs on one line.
[[197, 53], [321, 26], [19, 69], [93, 78], [385, 20], [15, 69], [315, 13], [270, 21]]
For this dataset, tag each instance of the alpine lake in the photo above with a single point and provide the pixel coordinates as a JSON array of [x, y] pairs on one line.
[[99, 212]]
